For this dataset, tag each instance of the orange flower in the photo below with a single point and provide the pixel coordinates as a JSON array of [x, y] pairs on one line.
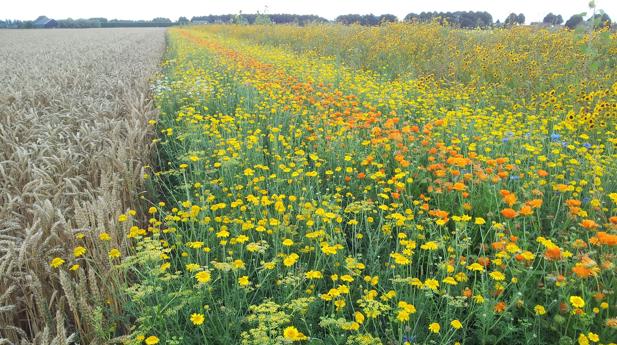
[[526, 211], [588, 224], [607, 239], [361, 175], [510, 199], [553, 253], [500, 307], [499, 245], [582, 271], [459, 186], [573, 203], [509, 213], [484, 261], [542, 173], [535, 203]]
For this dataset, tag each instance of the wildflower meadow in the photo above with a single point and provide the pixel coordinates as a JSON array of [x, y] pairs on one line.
[[404, 184]]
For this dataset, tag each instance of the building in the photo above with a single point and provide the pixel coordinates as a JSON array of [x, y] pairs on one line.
[[43, 22]]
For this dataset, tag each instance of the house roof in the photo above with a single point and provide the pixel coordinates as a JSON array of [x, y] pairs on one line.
[[42, 20]]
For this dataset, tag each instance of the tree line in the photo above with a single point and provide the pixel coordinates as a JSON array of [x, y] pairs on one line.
[[462, 19]]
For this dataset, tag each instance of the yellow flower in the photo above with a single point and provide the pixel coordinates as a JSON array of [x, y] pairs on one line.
[[74, 267], [313, 275], [402, 316], [577, 301], [480, 221], [243, 281], [291, 333], [456, 324], [288, 243], [359, 317], [203, 277], [152, 340], [593, 337], [431, 245], [475, 267], [497, 275], [432, 284], [291, 259], [114, 253], [450, 281], [79, 251], [197, 319], [103, 236], [539, 310], [56, 262], [192, 267], [434, 327], [582, 339], [478, 299]]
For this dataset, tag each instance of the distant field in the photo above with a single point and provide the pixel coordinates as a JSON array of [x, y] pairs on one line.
[[73, 141], [328, 184]]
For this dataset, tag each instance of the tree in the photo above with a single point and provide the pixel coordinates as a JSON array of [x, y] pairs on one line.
[[600, 20], [574, 21], [183, 21], [520, 19], [551, 19], [387, 18], [262, 19], [512, 19], [411, 17], [161, 20]]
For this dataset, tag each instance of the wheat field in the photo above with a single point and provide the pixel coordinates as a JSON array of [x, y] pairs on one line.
[[74, 110]]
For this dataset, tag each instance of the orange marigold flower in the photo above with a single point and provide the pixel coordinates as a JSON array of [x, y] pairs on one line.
[[582, 271], [504, 192], [459, 186], [509, 213], [484, 261], [526, 211], [553, 253], [606, 239], [588, 224], [573, 203], [500, 307]]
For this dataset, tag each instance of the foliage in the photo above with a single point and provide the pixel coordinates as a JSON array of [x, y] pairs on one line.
[[460, 19], [313, 191]]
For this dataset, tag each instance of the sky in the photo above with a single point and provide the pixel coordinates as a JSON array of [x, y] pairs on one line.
[[534, 10]]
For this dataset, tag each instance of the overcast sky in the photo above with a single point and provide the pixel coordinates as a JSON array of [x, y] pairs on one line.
[[534, 10]]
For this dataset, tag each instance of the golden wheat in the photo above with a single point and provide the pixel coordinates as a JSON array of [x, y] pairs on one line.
[[74, 108]]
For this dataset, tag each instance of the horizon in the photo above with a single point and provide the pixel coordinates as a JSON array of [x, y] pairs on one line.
[[29, 10]]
